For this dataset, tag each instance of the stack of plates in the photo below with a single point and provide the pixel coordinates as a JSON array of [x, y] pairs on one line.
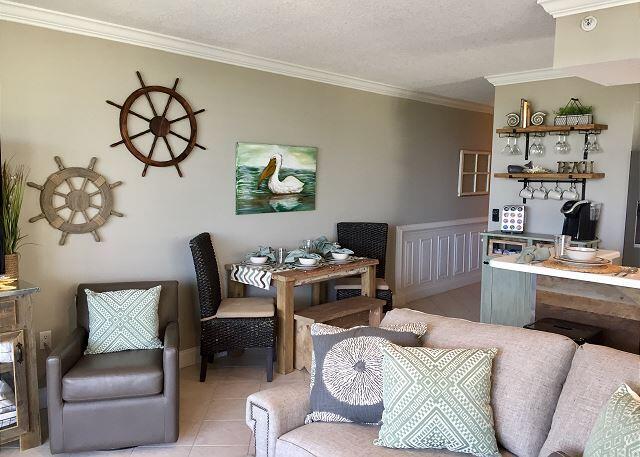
[[597, 262]]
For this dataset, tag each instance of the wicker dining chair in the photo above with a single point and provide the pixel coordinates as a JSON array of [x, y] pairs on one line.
[[366, 239], [229, 324]]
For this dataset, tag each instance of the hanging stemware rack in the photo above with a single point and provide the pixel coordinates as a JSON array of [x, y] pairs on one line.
[[543, 130]]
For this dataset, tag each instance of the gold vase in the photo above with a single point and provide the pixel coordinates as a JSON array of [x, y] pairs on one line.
[[11, 265]]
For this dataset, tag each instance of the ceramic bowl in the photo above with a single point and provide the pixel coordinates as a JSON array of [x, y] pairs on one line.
[[259, 260], [339, 256], [307, 262], [579, 253]]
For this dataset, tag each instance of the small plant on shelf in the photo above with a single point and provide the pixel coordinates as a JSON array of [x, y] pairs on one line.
[[574, 113]]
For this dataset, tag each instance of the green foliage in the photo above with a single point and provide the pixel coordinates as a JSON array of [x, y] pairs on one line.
[[13, 182], [572, 109]]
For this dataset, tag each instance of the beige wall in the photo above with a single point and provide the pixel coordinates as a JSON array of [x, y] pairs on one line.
[[613, 106], [616, 37], [380, 159]]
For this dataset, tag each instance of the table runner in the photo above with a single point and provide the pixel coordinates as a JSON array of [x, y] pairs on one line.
[[260, 275], [256, 275]]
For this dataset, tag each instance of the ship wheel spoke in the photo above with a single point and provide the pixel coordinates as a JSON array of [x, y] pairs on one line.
[[94, 206], [144, 118], [131, 138], [60, 208], [185, 139], [59, 194], [146, 94], [172, 155], [71, 216], [170, 99], [146, 165], [186, 116], [93, 194]]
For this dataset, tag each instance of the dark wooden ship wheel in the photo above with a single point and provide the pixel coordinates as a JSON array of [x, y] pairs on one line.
[[159, 126]]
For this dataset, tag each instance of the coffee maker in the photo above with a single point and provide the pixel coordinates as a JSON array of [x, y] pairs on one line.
[[580, 219]]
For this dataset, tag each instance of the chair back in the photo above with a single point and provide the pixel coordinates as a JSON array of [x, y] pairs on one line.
[[207, 276], [167, 306], [366, 239]]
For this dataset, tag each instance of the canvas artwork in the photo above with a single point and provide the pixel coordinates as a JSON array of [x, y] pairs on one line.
[[273, 178]]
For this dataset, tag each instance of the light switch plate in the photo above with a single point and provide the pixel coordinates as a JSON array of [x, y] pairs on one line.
[[45, 339]]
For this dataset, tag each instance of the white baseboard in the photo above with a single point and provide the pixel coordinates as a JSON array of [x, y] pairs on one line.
[[189, 357], [436, 257]]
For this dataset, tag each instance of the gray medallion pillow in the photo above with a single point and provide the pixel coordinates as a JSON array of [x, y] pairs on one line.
[[121, 320], [346, 370]]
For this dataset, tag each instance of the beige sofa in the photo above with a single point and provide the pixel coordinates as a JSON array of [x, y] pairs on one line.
[[546, 395]]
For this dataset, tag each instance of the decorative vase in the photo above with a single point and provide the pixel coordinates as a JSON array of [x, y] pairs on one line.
[[11, 265]]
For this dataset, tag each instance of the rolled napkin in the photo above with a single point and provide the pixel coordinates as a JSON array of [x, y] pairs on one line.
[[338, 250], [321, 245], [301, 253], [533, 253], [262, 251]]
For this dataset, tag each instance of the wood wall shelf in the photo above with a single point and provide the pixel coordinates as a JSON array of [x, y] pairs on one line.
[[553, 128], [549, 176]]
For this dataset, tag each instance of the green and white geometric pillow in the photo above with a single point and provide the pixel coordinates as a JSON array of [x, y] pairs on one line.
[[437, 399], [121, 320], [616, 432]]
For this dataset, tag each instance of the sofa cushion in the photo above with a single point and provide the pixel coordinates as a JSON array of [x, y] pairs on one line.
[[528, 372], [596, 373], [346, 440], [114, 375]]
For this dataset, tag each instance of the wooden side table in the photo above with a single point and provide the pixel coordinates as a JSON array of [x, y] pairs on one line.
[[19, 368]]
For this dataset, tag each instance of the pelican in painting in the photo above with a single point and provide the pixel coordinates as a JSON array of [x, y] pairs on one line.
[[289, 185]]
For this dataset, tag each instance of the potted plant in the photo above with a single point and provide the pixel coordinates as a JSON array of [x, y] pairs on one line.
[[574, 113], [13, 181]]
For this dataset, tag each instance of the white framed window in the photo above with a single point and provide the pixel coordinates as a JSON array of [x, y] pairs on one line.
[[474, 174]]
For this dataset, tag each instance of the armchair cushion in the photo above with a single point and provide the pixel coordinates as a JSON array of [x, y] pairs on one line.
[[114, 375]]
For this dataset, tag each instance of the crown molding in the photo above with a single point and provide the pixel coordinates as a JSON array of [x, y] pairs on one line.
[[560, 8], [543, 74], [40, 17]]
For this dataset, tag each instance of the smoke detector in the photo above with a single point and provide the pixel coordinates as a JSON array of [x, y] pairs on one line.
[[589, 23]]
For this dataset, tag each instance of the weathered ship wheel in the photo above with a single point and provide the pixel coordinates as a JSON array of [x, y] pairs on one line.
[[159, 126], [77, 200]]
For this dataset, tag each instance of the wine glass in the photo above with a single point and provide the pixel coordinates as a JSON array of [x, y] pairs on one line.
[[507, 148], [515, 149], [537, 148], [562, 147], [592, 145]]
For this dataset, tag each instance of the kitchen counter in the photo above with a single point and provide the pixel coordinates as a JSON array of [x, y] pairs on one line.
[[509, 263]]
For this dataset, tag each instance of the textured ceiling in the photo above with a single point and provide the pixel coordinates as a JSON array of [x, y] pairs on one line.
[[444, 47]]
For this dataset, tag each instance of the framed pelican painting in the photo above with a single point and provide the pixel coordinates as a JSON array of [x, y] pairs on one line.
[[272, 178]]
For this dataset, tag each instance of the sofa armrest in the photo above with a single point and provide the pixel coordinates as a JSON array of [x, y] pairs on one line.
[[272, 413], [61, 359], [171, 369]]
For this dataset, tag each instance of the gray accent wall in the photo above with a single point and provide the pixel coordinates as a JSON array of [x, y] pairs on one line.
[[613, 106], [380, 159]]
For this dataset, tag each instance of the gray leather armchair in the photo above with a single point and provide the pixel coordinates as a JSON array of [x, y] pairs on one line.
[[120, 399]]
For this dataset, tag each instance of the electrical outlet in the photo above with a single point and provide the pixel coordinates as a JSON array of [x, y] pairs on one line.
[[45, 338], [495, 215]]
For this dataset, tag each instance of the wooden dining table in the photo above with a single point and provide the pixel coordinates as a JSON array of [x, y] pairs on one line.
[[286, 281]]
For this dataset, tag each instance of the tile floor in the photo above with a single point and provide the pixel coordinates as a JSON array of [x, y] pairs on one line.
[[212, 413]]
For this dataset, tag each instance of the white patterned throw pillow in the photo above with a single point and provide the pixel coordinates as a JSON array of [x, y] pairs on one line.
[[438, 399], [122, 320]]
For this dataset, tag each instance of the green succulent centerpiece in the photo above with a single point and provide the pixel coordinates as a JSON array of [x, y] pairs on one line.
[[574, 113]]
